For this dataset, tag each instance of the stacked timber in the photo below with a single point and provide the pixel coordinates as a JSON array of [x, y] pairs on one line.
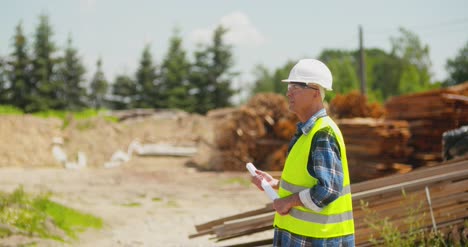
[[375, 147], [430, 114], [433, 197], [353, 105], [257, 132]]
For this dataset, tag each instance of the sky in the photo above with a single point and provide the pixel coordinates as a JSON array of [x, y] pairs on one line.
[[261, 32]]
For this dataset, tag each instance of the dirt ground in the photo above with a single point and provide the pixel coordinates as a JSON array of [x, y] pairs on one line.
[[172, 200], [148, 201]]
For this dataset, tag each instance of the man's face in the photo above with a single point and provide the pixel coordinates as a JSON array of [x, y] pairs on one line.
[[300, 95]]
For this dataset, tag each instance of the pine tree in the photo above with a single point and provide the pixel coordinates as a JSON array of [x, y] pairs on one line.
[[98, 87], [124, 92], [21, 88], [71, 94], [211, 74], [3, 83], [146, 80], [221, 75], [174, 76], [43, 68], [202, 91]]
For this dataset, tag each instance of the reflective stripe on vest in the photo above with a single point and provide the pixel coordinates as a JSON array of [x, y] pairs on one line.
[[334, 220]]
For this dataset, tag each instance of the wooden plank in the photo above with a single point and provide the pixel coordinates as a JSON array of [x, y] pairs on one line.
[[416, 174], [448, 185], [210, 224]]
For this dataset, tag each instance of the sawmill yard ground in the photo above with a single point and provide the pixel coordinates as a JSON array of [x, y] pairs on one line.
[[147, 201]]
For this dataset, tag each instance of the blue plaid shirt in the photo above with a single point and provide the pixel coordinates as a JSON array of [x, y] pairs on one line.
[[324, 165]]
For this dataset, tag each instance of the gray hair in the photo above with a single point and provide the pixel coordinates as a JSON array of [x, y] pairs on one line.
[[322, 92]]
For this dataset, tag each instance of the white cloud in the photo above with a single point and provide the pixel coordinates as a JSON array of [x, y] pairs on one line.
[[240, 31]]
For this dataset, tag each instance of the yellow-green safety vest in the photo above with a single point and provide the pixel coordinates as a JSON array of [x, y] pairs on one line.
[[336, 219]]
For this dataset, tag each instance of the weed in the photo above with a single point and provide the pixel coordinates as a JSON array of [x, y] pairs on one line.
[[389, 233]]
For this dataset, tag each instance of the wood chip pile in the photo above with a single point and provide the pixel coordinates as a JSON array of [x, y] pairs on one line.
[[430, 114], [430, 195], [375, 147], [257, 132]]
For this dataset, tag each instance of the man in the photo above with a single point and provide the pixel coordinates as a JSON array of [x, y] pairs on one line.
[[315, 205]]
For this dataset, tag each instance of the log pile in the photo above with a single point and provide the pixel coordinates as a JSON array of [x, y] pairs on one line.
[[260, 131], [375, 147], [353, 105], [257, 132], [430, 114], [439, 193]]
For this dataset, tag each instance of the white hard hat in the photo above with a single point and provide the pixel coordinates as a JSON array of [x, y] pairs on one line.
[[311, 71]]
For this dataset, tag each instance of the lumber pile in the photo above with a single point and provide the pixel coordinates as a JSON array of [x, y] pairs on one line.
[[430, 114], [257, 132], [444, 189], [353, 105], [375, 147]]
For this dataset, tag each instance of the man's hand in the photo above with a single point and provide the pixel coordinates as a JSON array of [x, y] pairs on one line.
[[284, 205], [257, 180]]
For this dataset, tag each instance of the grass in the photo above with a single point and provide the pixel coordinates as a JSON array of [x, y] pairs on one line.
[[29, 215], [156, 199], [391, 236], [65, 116], [132, 204], [10, 110]]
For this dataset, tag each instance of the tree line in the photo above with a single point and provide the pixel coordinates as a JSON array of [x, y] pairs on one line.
[[405, 69], [35, 77]]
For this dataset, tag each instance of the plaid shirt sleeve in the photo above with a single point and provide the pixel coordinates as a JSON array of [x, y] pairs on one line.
[[324, 165]]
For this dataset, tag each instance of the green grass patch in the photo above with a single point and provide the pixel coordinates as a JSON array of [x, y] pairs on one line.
[[132, 204], [30, 214], [10, 110], [172, 204], [156, 199]]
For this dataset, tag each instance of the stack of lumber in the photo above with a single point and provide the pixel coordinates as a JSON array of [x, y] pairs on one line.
[[430, 114], [257, 132], [353, 105], [439, 193], [375, 147]]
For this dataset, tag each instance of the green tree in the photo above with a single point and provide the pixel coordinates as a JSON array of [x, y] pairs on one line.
[[220, 72], [98, 87], [415, 60], [3, 83], [383, 73], [271, 82], [146, 80], [19, 73], [175, 71], [343, 66], [124, 91], [72, 93], [202, 91], [211, 74], [43, 67], [457, 68]]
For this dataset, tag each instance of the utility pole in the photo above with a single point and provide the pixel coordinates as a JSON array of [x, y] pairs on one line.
[[362, 63]]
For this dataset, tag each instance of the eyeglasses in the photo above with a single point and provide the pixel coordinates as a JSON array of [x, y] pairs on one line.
[[299, 85]]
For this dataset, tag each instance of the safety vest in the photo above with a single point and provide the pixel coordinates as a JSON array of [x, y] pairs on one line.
[[334, 220]]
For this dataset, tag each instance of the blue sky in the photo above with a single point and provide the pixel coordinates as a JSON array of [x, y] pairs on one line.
[[261, 32]]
